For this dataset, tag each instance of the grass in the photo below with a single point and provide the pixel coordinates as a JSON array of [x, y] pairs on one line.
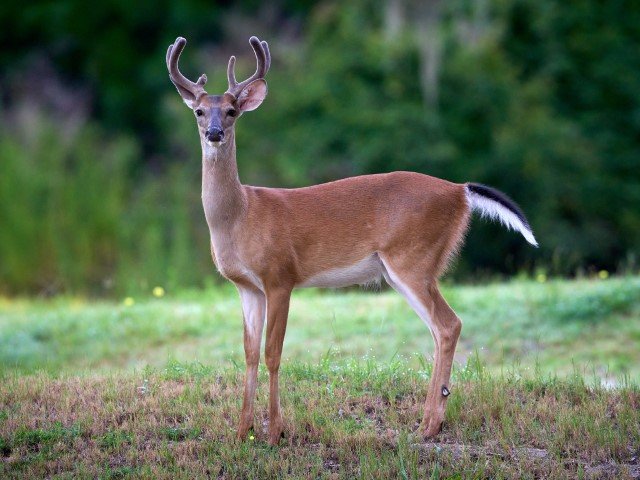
[[344, 419], [108, 390], [554, 327]]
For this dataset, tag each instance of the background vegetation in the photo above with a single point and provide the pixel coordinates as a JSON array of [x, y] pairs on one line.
[[550, 328], [99, 160]]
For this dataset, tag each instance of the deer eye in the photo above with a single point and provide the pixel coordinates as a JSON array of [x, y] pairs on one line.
[[231, 112], [199, 112]]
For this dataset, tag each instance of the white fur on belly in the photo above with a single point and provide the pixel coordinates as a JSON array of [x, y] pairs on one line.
[[368, 270]]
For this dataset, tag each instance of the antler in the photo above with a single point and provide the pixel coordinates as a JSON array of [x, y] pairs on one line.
[[178, 79], [263, 58]]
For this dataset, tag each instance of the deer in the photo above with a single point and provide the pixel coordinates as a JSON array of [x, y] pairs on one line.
[[403, 227]]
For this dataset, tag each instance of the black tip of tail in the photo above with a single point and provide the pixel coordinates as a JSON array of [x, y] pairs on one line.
[[501, 198]]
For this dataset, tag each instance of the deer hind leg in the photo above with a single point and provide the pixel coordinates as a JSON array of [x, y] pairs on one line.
[[254, 309], [277, 313], [424, 297]]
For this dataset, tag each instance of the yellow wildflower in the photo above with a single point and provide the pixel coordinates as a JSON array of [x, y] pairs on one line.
[[158, 292]]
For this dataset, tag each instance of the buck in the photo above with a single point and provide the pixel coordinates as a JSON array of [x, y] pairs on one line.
[[401, 226]]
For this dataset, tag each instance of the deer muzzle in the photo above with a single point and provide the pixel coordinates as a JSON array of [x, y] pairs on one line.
[[214, 134]]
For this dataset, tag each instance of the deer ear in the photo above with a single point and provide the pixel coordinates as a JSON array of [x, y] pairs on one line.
[[252, 95]]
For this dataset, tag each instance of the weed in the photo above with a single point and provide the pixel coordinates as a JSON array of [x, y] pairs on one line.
[[115, 439], [44, 438], [179, 434]]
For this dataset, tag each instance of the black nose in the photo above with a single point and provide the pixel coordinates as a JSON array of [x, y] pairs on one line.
[[215, 134]]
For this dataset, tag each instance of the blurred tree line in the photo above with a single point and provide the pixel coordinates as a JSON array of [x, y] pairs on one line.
[[99, 159]]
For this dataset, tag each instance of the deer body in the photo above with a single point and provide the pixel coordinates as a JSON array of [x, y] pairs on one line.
[[336, 243], [400, 226]]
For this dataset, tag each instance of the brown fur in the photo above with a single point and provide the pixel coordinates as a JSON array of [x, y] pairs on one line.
[[339, 223]]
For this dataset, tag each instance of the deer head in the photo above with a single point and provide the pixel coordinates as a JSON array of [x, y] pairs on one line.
[[216, 114]]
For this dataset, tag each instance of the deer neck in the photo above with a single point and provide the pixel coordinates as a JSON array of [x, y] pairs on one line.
[[223, 196]]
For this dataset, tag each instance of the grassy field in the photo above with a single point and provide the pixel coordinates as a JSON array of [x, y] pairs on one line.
[[555, 327], [151, 388]]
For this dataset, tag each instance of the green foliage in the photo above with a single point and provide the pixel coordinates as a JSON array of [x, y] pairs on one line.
[[116, 47], [62, 194], [353, 105], [540, 100], [349, 100], [164, 239], [75, 218], [584, 54]]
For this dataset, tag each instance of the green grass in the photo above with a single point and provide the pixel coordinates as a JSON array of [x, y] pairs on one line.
[[343, 419], [554, 327], [153, 390]]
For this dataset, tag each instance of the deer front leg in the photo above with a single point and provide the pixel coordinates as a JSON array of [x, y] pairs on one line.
[[277, 313], [253, 308]]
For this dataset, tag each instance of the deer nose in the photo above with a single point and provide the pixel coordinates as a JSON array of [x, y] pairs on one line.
[[215, 134]]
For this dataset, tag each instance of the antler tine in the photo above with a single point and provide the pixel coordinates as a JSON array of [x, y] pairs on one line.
[[267, 54], [231, 76], [263, 60], [173, 56]]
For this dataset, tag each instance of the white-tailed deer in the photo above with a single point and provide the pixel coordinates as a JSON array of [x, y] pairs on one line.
[[401, 226]]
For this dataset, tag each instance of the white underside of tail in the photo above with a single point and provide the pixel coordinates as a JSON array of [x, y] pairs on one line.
[[496, 211]]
